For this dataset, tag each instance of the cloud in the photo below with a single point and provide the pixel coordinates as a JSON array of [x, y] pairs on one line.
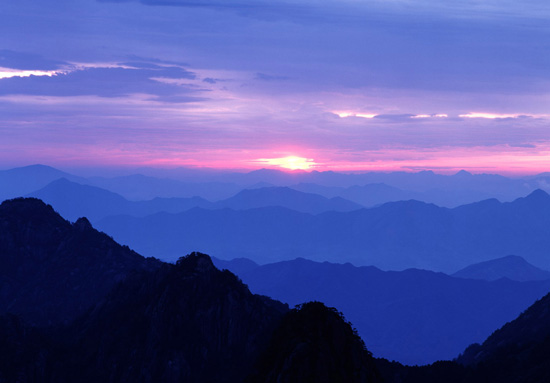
[[491, 116], [28, 61], [106, 81], [269, 77]]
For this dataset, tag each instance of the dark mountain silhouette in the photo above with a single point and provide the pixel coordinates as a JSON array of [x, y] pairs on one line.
[[159, 323], [18, 182], [512, 267], [73, 200], [53, 270], [288, 198], [314, 344], [396, 235], [517, 352], [413, 316], [184, 322]]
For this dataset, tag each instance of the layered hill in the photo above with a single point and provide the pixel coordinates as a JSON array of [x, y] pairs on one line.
[[412, 316], [512, 267], [518, 352], [73, 200], [18, 182], [287, 198], [396, 235]]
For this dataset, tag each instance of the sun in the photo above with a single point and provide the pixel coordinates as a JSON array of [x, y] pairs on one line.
[[290, 162]]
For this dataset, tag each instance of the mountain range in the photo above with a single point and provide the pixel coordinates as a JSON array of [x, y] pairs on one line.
[[191, 322], [395, 236], [512, 267], [412, 316], [367, 189], [157, 322], [74, 200]]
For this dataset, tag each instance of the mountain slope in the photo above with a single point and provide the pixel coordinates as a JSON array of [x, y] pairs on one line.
[[73, 264], [73, 200], [413, 316], [18, 182], [314, 343], [517, 352], [396, 235], [184, 322], [287, 198], [511, 267]]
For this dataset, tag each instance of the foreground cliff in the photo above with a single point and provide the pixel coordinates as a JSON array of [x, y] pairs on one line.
[[142, 320], [51, 270]]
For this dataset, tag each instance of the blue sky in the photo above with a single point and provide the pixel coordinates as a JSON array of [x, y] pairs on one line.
[[349, 84]]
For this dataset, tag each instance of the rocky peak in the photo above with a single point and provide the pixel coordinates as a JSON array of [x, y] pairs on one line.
[[82, 224]]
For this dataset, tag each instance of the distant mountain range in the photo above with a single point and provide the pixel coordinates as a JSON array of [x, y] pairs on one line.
[[394, 236], [74, 200], [512, 267], [413, 316], [367, 189], [19, 182]]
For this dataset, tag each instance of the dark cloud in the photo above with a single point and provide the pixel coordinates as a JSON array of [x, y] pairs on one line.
[[27, 61]]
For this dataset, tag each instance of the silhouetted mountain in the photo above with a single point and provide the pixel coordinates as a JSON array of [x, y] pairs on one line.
[[413, 316], [512, 267], [160, 322], [18, 182], [518, 352], [314, 344], [395, 235], [288, 198], [73, 200], [184, 322], [52, 270]]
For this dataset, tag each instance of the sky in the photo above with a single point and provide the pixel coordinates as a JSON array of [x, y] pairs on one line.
[[344, 85]]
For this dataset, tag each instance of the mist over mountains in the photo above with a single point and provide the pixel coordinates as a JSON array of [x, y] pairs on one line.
[[273, 223], [367, 189]]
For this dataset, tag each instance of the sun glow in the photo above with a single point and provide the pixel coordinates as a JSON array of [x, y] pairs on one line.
[[290, 162]]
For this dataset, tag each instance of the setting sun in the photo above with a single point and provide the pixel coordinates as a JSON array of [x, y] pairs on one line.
[[290, 162]]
